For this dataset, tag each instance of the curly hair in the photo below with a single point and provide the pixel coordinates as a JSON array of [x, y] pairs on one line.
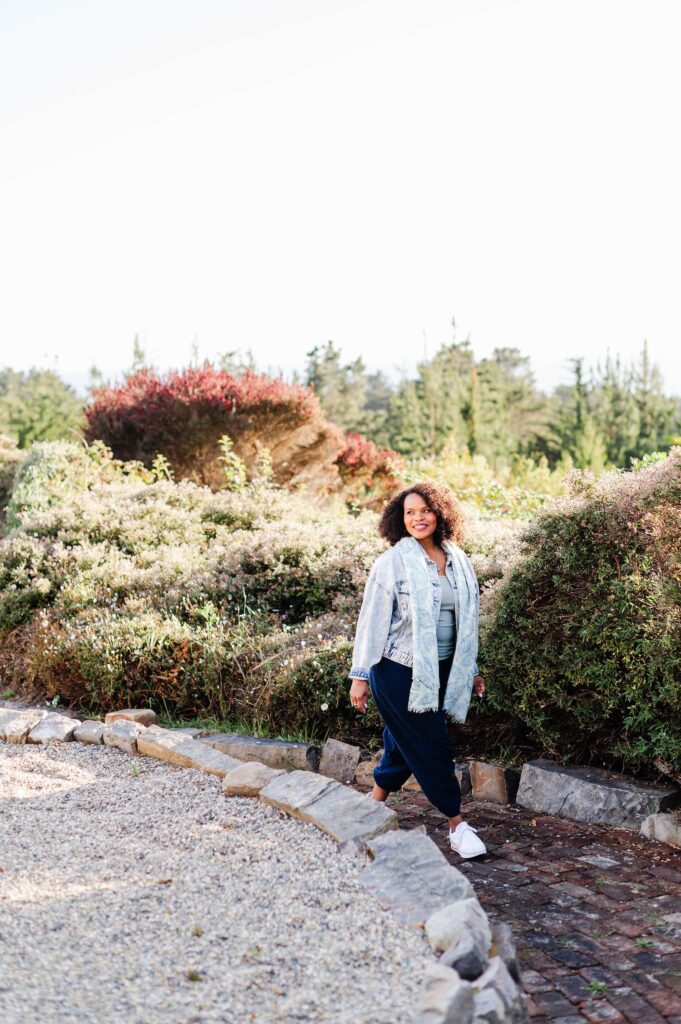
[[450, 521]]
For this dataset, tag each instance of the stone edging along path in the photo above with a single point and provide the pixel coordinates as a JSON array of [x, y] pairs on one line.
[[476, 977]]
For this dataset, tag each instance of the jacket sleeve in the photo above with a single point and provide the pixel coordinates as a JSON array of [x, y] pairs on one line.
[[373, 626]]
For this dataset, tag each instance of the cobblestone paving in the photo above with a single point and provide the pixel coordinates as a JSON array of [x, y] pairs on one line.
[[596, 912]]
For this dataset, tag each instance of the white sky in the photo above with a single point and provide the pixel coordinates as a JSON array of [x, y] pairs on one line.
[[274, 173]]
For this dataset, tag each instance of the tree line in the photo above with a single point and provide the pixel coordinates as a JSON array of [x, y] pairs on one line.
[[608, 415]]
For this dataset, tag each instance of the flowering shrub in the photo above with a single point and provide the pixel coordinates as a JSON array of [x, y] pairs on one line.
[[583, 637], [120, 586], [54, 470], [117, 587], [10, 458]]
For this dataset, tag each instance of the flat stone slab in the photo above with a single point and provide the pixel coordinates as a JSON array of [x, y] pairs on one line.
[[493, 783], [339, 760], [666, 828], [89, 731], [143, 716], [345, 814], [335, 809], [249, 778], [6, 715], [53, 728], [175, 748], [16, 726], [296, 789], [123, 735], [591, 795], [410, 877], [275, 753]]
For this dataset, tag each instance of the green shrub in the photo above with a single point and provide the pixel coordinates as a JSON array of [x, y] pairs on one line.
[[582, 642], [10, 458], [54, 471], [518, 490]]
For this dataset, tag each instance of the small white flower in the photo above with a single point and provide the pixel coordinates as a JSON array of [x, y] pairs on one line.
[[324, 707]]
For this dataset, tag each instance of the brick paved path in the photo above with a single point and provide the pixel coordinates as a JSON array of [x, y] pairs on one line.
[[596, 912]]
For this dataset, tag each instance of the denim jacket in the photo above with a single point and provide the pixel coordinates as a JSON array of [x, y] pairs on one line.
[[384, 628]]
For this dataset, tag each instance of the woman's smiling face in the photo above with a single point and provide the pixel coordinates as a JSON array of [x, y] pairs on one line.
[[419, 520]]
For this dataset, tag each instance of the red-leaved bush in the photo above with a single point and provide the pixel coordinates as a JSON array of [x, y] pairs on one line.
[[182, 415], [368, 471]]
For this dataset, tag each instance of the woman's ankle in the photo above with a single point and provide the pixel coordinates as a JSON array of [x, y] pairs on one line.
[[456, 820], [380, 794]]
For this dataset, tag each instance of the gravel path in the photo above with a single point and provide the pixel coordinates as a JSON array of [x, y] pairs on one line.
[[131, 891]]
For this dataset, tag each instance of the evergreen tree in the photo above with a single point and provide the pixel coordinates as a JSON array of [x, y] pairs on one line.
[[658, 414], [616, 411], [341, 389], [576, 436], [38, 406]]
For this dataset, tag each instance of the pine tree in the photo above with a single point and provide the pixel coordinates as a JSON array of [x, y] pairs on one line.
[[341, 389]]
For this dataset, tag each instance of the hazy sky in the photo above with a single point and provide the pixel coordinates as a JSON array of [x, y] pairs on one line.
[[270, 174]]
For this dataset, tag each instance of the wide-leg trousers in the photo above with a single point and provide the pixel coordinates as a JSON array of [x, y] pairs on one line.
[[414, 742]]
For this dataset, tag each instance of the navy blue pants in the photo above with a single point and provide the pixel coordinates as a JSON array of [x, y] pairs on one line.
[[414, 743]]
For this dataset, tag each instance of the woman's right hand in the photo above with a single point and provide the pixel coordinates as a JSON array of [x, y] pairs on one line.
[[359, 694]]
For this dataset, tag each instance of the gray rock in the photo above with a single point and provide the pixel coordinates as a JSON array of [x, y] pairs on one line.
[[17, 725], [53, 728], [492, 783], [90, 731], [249, 778], [466, 957], [411, 877], [13, 705], [489, 1007], [446, 999], [123, 735], [291, 792], [275, 753], [345, 814], [6, 715], [335, 809], [503, 945], [591, 795], [142, 716], [339, 760], [463, 774], [497, 978], [174, 748], [460, 919], [666, 828]]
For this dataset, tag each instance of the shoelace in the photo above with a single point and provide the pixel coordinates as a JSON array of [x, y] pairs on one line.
[[465, 826]]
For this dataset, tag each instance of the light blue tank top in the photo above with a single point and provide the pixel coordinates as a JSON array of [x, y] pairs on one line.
[[446, 623]]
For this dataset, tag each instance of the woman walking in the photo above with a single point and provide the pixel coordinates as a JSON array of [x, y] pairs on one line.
[[416, 647]]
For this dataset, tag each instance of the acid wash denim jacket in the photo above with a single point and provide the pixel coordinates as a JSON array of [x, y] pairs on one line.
[[384, 627]]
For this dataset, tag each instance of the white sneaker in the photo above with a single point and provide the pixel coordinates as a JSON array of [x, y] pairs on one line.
[[464, 841]]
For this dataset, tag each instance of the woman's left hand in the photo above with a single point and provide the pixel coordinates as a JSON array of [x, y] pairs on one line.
[[479, 686]]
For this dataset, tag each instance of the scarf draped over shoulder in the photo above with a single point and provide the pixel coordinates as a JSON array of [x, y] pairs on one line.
[[425, 685]]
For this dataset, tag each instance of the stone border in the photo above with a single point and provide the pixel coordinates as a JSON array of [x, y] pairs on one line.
[[475, 980]]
